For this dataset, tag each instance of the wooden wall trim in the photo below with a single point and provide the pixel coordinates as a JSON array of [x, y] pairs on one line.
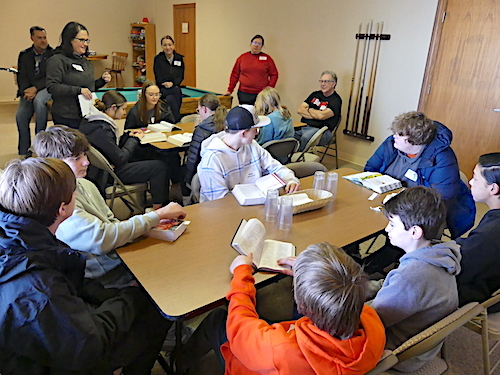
[[433, 53]]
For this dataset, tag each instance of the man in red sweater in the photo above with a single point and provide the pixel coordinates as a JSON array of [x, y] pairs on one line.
[[337, 335]]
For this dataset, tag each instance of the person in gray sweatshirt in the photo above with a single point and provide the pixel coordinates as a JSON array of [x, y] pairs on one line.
[[422, 290]]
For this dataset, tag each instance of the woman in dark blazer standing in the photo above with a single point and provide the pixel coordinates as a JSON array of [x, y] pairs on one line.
[[169, 74]]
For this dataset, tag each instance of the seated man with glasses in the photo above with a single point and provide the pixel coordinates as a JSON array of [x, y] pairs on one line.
[[321, 108]]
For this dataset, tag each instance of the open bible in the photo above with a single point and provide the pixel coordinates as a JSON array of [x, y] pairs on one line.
[[250, 239], [253, 194]]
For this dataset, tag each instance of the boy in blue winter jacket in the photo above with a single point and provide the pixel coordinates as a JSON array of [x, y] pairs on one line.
[[422, 290], [419, 154]]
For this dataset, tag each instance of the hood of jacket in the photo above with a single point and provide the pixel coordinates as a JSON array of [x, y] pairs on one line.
[[26, 244], [215, 143], [445, 255], [89, 122], [330, 355]]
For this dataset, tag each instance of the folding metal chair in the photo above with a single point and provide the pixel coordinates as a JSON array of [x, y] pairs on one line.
[[313, 142], [331, 145], [118, 189], [282, 149]]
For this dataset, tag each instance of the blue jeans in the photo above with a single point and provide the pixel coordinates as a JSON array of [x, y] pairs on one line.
[[304, 134], [25, 113]]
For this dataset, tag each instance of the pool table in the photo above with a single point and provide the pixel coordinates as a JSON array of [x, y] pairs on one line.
[[190, 97]]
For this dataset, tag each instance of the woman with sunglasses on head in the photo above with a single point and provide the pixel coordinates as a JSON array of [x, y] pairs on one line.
[[254, 70], [169, 74], [70, 74], [102, 132]]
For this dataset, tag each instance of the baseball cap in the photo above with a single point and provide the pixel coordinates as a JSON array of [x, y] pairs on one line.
[[244, 117]]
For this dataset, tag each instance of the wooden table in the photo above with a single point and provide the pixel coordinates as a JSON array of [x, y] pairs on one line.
[[193, 272], [188, 127]]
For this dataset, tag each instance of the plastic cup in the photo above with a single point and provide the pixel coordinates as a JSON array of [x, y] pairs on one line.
[[319, 180], [271, 207], [332, 179], [286, 213]]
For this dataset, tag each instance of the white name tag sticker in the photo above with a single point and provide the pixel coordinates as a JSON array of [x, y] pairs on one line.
[[262, 57], [177, 63], [77, 67], [411, 175]]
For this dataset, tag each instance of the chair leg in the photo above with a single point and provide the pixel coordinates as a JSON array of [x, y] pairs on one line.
[[486, 344]]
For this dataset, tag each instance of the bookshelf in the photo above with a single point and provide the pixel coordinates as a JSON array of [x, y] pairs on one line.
[[143, 38]]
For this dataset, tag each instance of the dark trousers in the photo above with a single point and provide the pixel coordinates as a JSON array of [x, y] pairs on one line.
[[153, 171], [173, 96], [246, 98], [71, 122], [210, 334], [138, 350]]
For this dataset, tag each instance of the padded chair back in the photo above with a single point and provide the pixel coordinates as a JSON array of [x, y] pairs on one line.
[[313, 142], [429, 339], [307, 168], [189, 118], [118, 189], [282, 149]]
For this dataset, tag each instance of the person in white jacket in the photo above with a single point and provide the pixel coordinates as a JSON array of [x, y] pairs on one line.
[[93, 228], [233, 157]]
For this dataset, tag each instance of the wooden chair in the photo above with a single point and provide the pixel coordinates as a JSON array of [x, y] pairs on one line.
[[313, 142], [282, 149], [488, 326], [331, 145], [428, 340], [118, 189], [119, 61]]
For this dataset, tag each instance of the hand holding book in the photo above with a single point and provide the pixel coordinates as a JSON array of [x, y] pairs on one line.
[[241, 260]]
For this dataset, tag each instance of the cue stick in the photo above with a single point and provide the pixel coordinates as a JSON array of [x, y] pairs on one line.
[[369, 100], [362, 79], [353, 76]]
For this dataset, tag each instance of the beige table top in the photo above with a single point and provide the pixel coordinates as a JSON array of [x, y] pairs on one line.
[[193, 272], [188, 127]]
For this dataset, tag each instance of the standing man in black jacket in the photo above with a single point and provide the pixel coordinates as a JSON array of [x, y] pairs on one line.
[[32, 87]]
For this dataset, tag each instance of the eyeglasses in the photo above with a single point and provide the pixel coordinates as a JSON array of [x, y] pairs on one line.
[[257, 44], [83, 40], [325, 81], [153, 94]]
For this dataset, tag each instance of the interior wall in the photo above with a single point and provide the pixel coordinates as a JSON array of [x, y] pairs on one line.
[[108, 24], [303, 38]]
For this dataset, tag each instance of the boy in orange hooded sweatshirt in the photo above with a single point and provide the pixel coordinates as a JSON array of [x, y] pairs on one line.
[[337, 335]]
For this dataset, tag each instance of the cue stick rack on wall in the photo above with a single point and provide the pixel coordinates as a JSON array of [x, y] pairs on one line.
[[363, 80]]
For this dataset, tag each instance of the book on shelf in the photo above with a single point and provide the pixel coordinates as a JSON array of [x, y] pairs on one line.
[[378, 182], [180, 140], [153, 137], [250, 238], [163, 126], [253, 194], [167, 230]]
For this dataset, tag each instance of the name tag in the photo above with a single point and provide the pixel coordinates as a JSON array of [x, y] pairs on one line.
[[77, 67], [262, 57], [411, 175], [177, 63]]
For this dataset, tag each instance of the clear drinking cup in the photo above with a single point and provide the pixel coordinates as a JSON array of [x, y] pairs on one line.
[[286, 212], [271, 207], [332, 179], [319, 180]]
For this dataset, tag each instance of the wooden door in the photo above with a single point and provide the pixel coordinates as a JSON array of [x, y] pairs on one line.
[[185, 39], [461, 86]]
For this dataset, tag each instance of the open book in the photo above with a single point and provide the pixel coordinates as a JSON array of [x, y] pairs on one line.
[[163, 126], [250, 238], [180, 140], [252, 194], [375, 181], [153, 137]]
